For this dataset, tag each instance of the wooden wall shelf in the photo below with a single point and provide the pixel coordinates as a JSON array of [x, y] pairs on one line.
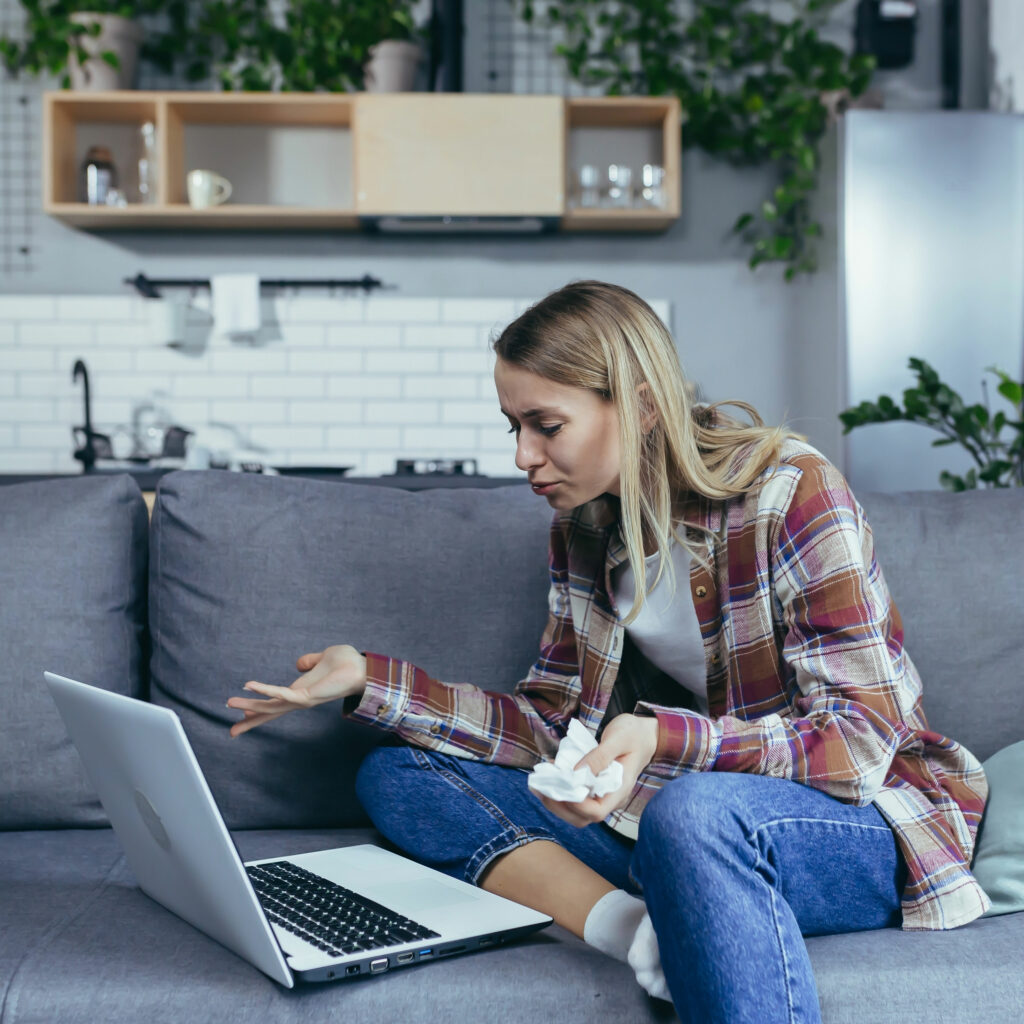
[[335, 161]]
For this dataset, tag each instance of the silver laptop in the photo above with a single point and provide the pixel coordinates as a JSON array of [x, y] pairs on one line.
[[321, 916]]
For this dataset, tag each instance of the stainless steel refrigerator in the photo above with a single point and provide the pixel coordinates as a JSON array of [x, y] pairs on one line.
[[931, 249]]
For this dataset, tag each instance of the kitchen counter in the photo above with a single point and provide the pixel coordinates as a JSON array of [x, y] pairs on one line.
[[147, 479]]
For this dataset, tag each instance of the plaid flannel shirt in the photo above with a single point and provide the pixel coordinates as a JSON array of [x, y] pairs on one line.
[[806, 673]]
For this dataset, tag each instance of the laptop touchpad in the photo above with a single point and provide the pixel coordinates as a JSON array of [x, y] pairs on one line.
[[423, 894]]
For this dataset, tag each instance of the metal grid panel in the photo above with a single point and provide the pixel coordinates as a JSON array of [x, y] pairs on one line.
[[19, 157], [520, 55]]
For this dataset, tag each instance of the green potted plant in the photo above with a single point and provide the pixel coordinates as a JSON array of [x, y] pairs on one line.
[[999, 462], [92, 44], [311, 46], [394, 60]]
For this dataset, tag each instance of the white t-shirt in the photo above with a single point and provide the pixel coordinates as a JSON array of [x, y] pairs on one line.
[[666, 631]]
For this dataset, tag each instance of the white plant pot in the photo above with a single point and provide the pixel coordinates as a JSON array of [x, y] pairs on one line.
[[119, 35], [392, 66]]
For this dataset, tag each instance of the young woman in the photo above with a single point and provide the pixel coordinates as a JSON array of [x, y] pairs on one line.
[[779, 776]]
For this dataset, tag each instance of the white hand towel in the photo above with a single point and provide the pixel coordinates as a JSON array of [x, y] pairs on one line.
[[236, 304], [561, 782]]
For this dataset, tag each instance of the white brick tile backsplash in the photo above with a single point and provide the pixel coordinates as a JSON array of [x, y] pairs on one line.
[[325, 361], [27, 307], [98, 361], [303, 335], [16, 460], [43, 437], [303, 309], [27, 410], [485, 413], [196, 385], [126, 385], [448, 442], [467, 362], [14, 359], [496, 464], [281, 437], [130, 334], [326, 412], [402, 412], [484, 311], [44, 385], [239, 359], [439, 387], [364, 438], [358, 380], [496, 439], [292, 386], [365, 336], [441, 336], [105, 411], [364, 386], [168, 360], [97, 307], [402, 361], [248, 410], [34, 333], [404, 310]]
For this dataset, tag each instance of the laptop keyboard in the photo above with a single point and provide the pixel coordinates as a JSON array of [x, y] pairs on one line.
[[329, 916]]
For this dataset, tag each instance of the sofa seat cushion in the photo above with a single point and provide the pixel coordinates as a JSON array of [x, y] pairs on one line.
[[970, 975], [80, 943], [248, 572], [72, 601], [116, 956]]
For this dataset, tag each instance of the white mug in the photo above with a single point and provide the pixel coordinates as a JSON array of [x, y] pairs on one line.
[[207, 188]]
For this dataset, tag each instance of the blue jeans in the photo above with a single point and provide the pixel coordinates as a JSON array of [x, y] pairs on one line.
[[734, 869]]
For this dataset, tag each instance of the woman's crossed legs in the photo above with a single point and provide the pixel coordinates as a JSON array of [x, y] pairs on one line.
[[734, 869]]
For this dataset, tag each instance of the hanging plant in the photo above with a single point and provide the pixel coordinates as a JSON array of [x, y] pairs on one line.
[[754, 89]]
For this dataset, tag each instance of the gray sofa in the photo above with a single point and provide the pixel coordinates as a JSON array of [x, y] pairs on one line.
[[236, 576]]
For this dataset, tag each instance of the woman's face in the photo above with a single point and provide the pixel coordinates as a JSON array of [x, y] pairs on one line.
[[567, 438]]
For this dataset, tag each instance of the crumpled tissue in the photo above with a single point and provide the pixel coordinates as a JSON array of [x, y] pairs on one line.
[[560, 782]]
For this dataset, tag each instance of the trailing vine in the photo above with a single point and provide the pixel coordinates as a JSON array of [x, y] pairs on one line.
[[753, 89]]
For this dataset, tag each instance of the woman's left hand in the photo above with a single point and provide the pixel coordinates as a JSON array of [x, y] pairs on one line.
[[631, 739]]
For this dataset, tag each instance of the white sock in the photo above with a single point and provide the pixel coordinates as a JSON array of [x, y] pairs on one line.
[[619, 926], [612, 923], [645, 959]]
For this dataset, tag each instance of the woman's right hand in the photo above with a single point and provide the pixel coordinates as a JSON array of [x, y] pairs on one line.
[[331, 674]]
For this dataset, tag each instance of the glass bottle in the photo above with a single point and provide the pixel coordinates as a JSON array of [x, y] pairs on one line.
[[620, 185], [99, 175], [589, 187], [653, 191], [147, 163]]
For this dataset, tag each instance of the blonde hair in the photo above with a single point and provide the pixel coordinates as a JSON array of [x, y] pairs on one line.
[[606, 339]]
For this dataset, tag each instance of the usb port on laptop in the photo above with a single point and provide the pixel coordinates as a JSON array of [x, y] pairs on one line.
[[424, 953]]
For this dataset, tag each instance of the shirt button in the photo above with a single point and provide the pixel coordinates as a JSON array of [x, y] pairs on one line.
[[383, 709], [702, 591], [435, 728], [716, 658]]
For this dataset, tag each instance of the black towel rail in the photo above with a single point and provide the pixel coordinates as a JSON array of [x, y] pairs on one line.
[[149, 287]]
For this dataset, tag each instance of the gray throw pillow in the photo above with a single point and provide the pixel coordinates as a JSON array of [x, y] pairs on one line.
[[999, 854]]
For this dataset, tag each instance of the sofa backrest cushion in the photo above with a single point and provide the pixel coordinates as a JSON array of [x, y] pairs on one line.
[[72, 601], [954, 564], [248, 572]]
